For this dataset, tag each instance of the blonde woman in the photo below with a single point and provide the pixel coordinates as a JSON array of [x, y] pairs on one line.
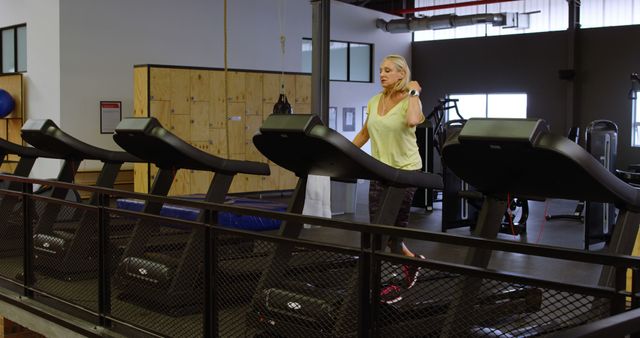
[[392, 117]]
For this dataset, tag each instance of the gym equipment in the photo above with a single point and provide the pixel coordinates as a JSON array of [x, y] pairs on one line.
[[461, 202], [282, 107], [7, 103], [541, 165], [280, 306], [67, 250], [11, 238], [601, 141], [166, 280]]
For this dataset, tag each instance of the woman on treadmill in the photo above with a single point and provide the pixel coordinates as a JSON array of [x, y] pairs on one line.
[[391, 123]]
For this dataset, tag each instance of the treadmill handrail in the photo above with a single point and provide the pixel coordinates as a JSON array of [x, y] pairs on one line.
[[46, 135], [22, 151], [309, 147], [550, 166], [148, 139]]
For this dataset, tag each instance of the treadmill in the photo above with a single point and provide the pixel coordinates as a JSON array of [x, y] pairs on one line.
[[68, 249], [281, 307], [540, 165], [171, 281], [11, 238]]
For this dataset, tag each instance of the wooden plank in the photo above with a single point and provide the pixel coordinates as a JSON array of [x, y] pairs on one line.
[[254, 183], [181, 183], [236, 120], [13, 84], [236, 87], [303, 89], [252, 126], [287, 180], [272, 182], [217, 104], [162, 111], [181, 126], [13, 134], [270, 88], [199, 121], [140, 177], [253, 90], [200, 181], [180, 91], [302, 108], [140, 91], [200, 85], [160, 83], [3, 129], [8, 167], [267, 109], [218, 139]]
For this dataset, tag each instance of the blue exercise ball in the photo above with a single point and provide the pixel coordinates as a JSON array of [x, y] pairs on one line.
[[7, 104]]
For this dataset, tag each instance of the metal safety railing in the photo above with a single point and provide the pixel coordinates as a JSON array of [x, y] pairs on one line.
[[141, 274]]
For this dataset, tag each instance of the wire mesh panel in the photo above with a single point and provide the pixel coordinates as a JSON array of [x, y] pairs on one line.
[[65, 252], [442, 303], [11, 236], [301, 291], [157, 280]]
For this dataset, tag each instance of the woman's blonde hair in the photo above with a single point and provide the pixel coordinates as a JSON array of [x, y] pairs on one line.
[[401, 65]]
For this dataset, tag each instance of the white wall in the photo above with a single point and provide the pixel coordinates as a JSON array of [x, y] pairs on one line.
[[42, 81], [101, 41]]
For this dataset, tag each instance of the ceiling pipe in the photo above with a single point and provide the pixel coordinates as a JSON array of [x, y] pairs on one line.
[[445, 21], [448, 6]]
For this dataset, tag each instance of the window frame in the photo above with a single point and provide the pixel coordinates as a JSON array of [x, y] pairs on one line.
[[16, 58], [486, 102], [348, 63]]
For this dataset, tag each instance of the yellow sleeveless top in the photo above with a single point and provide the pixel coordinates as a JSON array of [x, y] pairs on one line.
[[392, 142]]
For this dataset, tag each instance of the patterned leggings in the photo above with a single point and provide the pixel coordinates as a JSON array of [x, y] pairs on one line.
[[402, 220], [375, 192]]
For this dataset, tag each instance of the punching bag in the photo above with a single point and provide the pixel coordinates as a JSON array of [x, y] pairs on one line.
[[282, 107]]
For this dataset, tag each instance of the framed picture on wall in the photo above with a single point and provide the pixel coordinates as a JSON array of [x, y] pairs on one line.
[[364, 114], [333, 118], [348, 119], [110, 116]]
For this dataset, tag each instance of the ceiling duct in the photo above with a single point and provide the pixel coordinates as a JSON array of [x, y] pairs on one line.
[[505, 20]]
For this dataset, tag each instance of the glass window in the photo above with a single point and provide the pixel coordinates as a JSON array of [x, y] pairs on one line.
[[359, 62], [22, 49], [8, 51], [490, 105], [604, 13], [338, 60], [348, 61], [470, 105], [507, 105]]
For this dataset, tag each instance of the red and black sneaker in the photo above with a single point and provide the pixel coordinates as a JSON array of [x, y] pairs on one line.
[[411, 273], [390, 294]]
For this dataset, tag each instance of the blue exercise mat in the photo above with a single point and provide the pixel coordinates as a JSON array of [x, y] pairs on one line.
[[226, 219]]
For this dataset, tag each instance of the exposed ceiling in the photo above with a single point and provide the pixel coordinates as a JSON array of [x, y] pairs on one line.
[[388, 6]]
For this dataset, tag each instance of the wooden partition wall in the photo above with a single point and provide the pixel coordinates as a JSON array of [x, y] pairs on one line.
[[10, 125], [218, 113]]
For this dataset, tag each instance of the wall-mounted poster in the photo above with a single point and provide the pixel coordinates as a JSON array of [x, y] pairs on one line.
[[333, 118], [348, 119], [110, 116]]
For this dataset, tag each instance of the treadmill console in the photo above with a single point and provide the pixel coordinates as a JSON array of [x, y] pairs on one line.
[[297, 123], [497, 132]]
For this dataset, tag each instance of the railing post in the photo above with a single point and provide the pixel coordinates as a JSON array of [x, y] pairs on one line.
[[104, 262], [364, 287], [635, 287], [210, 261], [27, 268], [618, 303]]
